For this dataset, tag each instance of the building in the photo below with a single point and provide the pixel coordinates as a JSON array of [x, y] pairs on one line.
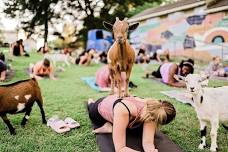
[[197, 28]]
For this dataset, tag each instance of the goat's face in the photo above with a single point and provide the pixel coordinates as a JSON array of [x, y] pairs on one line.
[[194, 82], [120, 29]]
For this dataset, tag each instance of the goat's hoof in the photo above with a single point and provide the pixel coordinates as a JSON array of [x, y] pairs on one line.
[[126, 95], [13, 132], [44, 121], [23, 123], [202, 146], [213, 149], [120, 96]]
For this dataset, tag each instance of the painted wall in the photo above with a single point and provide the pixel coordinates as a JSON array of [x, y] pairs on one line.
[[181, 31]]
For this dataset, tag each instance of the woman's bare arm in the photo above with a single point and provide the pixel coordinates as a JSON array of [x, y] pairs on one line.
[[120, 123], [172, 82], [3, 75], [51, 74], [148, 136]]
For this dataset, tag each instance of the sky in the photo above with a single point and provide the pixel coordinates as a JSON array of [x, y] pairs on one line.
[[7, 23]]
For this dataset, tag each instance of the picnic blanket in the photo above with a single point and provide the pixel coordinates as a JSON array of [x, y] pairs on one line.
[[180, 95], [134, 140]]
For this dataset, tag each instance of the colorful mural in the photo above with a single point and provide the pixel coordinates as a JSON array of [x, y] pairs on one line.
[[179, 31]]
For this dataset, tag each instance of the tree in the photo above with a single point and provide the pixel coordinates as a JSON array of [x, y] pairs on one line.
[[40, 13], [33, 14], [66, 37], [94, 12], [141, 8], [1, 35]]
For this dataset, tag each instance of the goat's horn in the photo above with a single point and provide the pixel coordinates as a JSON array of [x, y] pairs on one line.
[[117, 19], [125, 19]]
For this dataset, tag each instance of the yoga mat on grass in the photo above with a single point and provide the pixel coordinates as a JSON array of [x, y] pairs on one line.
[[159, 80], [219, 78], [91, 82], [134, 140], [180, 95]]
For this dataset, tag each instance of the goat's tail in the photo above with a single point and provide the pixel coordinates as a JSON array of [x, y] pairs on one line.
[[226, 127]]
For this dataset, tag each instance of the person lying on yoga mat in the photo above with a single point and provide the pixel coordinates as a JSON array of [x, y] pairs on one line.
[[43, 69], [167, 71], [104, 82], [116, 115]]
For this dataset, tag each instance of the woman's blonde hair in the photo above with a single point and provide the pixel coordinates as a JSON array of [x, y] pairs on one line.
[[161, 112]]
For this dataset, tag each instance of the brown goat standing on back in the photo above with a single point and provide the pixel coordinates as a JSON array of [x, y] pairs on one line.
[[19, 97], [121, 55]]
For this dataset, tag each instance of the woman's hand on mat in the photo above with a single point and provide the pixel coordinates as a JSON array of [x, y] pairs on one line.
[[127, 149], [150, 148], [154, 150], [106, 128]]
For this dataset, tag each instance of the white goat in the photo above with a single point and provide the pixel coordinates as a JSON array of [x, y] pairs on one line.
[[210, 105], [56, 57]]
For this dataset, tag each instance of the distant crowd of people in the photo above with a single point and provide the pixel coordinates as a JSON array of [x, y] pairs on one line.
[[166, 70]]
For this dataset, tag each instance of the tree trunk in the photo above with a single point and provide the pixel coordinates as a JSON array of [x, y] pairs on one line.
[[46, 27]]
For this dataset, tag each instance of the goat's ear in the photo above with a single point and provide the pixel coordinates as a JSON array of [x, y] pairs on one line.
[[204, 80], [133, 26], [179, 78], [108, 26], [204, 77], [204, 83]]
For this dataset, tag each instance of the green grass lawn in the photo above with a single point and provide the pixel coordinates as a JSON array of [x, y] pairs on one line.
[[67, 96]]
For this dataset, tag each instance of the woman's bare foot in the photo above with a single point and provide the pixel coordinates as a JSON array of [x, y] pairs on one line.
[[106, 128]]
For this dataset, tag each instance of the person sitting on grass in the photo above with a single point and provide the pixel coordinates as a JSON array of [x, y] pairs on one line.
[[167, 71], [17, 48], [42, 69], [215, 68], [3, 67], [103, 79], [85, 57], [115, 115]]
